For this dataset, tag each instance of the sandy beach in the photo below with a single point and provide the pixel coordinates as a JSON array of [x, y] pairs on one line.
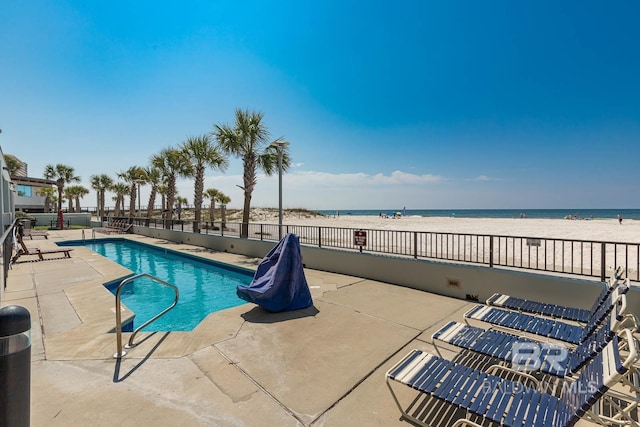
[[560, 245], [608, 230]]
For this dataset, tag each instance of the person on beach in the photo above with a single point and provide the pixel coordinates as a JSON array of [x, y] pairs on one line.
[[619, 219]]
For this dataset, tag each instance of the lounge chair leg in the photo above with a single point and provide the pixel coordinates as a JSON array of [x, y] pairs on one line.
[[403, 413]]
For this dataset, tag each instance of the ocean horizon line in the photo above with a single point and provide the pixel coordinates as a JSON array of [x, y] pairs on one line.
[[584, 214]]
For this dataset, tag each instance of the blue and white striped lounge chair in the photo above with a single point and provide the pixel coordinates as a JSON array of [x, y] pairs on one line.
[[546, 327], [558, 360], [509, 403], [554, 310]]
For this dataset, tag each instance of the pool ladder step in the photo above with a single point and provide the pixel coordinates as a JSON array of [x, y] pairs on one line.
[[120, 352]]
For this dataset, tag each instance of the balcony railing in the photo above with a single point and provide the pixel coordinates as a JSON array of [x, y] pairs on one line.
[[577, 257]]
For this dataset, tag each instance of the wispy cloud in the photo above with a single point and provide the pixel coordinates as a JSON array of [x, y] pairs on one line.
[[317, 189], [363, 179], [483, 178]]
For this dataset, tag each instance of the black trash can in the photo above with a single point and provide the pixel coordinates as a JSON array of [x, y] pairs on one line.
[[15, 366]]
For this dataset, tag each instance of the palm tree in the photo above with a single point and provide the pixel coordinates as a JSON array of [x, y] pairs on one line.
[[49, 194], [249, 140], [69, 195], [62, 174], [154, 178], [101, 183], [180, 203], [13, 164], [133, 176], [76, 192], [172, 163], [120, 189], [223, 199], [162, 190], [201, 154], [211, 194]]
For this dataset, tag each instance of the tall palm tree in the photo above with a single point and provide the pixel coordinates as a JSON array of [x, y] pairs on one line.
[[76, 192], [13, 164], [133, 176], [172, 163], [212, 193], [162, 190], [69, 195], [223, 199], [154, 178], [201, 154], [62, 174], [248, 139], [49, 194], [101, 183], [181, 202], [120, 189]]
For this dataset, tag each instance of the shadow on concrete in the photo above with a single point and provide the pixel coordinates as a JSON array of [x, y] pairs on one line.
[[260, 315], [116, 372]]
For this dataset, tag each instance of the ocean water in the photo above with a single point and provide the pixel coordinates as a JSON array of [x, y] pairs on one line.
[[497, 213]]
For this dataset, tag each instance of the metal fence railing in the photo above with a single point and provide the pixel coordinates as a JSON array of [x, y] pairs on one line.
[[6, 248], [578, 257]]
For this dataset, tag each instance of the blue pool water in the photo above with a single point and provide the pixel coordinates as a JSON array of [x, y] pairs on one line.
[[205, 286]]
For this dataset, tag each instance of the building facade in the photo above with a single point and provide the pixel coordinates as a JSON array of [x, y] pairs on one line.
[[28, 197]]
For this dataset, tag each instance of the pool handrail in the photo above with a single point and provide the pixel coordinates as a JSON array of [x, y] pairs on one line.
[[120, 353]]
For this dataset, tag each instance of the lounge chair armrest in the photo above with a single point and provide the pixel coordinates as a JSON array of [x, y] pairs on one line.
[[464, 422], [523, 375], [633, 320]]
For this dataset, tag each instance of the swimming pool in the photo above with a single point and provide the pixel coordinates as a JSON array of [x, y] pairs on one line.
[[205, 286]]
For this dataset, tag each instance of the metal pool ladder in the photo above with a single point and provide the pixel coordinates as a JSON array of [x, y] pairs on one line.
[[93, 235], [120, 352]]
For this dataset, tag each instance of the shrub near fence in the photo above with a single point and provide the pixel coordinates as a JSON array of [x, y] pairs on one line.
[[578, 257]]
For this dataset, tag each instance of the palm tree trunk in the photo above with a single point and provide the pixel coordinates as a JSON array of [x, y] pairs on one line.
[[171, 194], [152, 201], [245, 215], [223, 215], [60, 199], [212, 212], [197, 199], [132, 200], [102, 195]]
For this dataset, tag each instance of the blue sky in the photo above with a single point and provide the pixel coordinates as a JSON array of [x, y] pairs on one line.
[[423, 104]]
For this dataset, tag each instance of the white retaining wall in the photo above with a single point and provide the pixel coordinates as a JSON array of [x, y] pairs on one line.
[[439, 277]]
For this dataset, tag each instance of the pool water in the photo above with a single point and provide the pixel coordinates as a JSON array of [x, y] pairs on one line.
[[205, 286]]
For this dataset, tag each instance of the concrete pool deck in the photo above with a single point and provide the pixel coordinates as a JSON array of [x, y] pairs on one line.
[[322, 366]]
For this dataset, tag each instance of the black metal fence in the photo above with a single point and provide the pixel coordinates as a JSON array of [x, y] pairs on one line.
[[578, 257], [6, 247]]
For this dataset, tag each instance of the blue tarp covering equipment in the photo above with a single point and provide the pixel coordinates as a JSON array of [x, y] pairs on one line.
[[279, 283]]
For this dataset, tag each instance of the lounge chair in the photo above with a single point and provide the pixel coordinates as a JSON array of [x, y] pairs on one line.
[[526, 354], [510, 403], [40, 253], [542, 326], [65, 251], [37, 233], [116, 226], [554, 310]]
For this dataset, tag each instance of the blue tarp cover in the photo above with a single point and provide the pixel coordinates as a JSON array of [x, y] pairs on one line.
[[279, 283]]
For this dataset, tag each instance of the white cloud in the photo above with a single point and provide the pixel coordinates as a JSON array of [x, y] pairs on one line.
[[327, 191], [324, 190], [360, 179], [483, 178]]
